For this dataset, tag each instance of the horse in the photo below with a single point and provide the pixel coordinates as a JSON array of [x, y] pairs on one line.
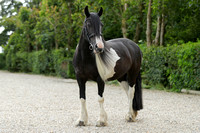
[[99, 60]]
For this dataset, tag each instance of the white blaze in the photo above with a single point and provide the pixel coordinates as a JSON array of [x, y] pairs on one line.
[[99, 42]]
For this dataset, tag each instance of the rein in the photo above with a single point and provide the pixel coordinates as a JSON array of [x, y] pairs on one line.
[[88, 38]]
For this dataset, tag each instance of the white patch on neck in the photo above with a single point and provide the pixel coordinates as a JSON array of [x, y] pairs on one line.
[[107, 71]]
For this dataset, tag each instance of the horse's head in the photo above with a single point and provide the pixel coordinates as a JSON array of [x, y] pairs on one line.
[[93, 29]]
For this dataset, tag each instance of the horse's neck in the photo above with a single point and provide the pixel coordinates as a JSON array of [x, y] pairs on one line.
[[83, 49]]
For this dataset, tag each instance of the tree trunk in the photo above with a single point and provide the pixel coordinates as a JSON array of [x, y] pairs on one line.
[[137, 33], [158, 30], [138, 27], [124, 29], [148, 31], [71, 29], [162, 30], [56, 40]]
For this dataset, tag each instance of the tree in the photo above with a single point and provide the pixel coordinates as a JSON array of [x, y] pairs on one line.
[[159, 18], [33, 3], [140, 22], [123, 16], [162, 31], [148, 31], [8, 9]]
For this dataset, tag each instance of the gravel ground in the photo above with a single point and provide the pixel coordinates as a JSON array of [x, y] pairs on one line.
[[34, 103]]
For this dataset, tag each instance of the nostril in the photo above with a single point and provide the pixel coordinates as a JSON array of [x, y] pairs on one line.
[[101, 50]]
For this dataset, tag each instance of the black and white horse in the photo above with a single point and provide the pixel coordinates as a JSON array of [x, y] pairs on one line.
[[99, 60]]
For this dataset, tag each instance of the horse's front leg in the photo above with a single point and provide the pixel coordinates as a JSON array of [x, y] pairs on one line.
[[102, 121], [83, 119]]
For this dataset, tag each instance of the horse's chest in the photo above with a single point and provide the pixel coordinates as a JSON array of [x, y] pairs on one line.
[[106, 65], [87, 69]]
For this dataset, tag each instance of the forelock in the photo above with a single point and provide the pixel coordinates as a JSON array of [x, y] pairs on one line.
[[95, 19]]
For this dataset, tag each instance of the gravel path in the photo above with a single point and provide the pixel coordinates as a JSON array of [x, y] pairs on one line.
[[34, 103]]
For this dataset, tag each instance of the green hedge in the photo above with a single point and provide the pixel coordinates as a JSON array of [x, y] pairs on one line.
[[2, 61], [55, 62], [176, 66]]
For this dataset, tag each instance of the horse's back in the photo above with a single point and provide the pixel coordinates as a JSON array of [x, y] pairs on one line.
[[125, 45]]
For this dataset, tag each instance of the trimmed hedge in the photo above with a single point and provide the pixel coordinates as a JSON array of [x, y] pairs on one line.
[[55, 62], [176, 66]]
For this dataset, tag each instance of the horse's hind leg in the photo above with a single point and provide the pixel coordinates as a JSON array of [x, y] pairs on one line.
[[102, 121], [131, 115], [83, 119], [133, 89]]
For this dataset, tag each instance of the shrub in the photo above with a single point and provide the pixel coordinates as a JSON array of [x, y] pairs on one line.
[[176, 66], [154, 65], [21, 61], [2, 61], [38, 62], [186, 73], [62, 64], [54, 62], [10, 60]]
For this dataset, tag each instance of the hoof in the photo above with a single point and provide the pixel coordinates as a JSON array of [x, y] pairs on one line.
[[130, 118], [136, 113], [101, 124], [80, 123]]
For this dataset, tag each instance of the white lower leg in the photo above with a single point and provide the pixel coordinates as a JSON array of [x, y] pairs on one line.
[[102, 121], [131, 115], [83, 119]]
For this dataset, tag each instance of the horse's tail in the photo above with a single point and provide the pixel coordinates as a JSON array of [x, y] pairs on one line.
[[137, 100]]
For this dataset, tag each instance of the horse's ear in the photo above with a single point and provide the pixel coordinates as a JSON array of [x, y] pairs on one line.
[[87, 13], [100, 12]]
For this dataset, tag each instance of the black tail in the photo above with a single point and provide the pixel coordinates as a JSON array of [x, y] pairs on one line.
[[137, 100]]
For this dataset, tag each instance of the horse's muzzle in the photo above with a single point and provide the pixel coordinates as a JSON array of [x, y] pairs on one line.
[[98, 50]]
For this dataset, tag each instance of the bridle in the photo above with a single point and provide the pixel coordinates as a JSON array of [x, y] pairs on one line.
[[89, 35]]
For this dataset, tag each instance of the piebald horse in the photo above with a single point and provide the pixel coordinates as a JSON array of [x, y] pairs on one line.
[[99, 60]]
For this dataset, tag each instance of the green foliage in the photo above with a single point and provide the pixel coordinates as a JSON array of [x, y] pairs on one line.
[[185, 73], [56, 62], [2, 61], [154, 64], [176, 66], [59, 62], [10, 60], [24, 14], [38, 62], [46, 33]]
